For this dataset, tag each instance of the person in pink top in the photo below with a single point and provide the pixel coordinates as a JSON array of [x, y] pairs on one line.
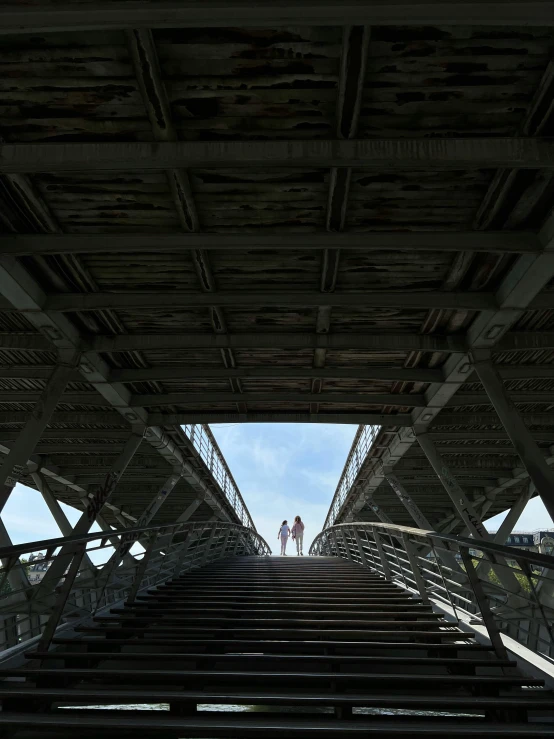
[[298, 535]]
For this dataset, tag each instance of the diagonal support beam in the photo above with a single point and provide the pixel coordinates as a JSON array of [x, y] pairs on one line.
[[101, 496], [14, 464], [529, 452], [58, 515], [460, 500]]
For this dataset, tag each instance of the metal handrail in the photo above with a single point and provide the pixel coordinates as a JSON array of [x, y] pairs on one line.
[[468, 577], [361, 445], [27, 611], [205, 444]]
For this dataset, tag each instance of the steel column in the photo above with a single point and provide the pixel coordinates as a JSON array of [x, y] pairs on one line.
[[520, 436], [14, 464]]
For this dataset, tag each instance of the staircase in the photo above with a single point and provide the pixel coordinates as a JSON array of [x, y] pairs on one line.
[[319, 646]]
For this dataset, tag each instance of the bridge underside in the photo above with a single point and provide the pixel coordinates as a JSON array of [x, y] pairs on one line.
[[268, 216]]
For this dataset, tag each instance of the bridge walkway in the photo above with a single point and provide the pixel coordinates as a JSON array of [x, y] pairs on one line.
[[261, 646]]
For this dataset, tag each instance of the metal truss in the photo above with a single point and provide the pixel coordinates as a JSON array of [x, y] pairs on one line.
[[468, 593], [79, 592]]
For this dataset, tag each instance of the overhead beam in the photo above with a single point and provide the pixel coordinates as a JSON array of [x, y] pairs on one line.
[[544, 397], [375, 342], [401, 400], [482, 436], [379, 419], [489, 419], [498, 242], [110, 435], [407, 400], [469, 449], [73, 398], [68, 16], [78, 417], [513, 341], [161, 373], [273, 373], [415, 153], [172, 419], [145, 301]]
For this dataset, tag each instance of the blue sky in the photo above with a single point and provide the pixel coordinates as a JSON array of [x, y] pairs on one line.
[[281, 469], [284, 470]]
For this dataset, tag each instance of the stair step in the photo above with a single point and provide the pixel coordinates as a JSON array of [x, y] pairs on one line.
[[534, 701], [234, 657], [401, 620], [278, 644], [240, 610], [381, 678], [270, 726], [298, 633]]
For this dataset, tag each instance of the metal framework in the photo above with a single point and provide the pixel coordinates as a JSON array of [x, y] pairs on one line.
[[34, 613], [312, 212], [451, 573]]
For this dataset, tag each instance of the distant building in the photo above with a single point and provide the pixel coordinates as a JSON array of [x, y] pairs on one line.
[[541, 541], [37, 568]]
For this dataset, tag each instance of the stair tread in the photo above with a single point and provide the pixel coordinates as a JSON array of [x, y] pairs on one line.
[[365, 699], [456, 679], [273, 657], [280, 643], [274, 725]]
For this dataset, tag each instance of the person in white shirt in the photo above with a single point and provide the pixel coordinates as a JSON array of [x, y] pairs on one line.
[[298, 535], [284, 533]]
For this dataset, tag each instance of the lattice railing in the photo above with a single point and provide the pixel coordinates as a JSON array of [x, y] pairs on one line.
[[363, 441], [203, 441]]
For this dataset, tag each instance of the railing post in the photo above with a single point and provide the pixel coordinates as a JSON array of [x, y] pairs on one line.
[[65, 591], [141, 569], [414, 564], [382, 555], [347, 548], [363, 558], [483, 603], [208, 543]]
